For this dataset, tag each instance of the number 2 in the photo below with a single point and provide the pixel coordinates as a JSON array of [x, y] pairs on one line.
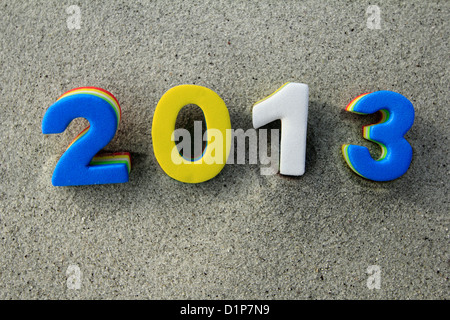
[[79, 164]]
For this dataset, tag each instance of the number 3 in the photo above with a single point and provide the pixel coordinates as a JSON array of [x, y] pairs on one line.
[[397, 118]]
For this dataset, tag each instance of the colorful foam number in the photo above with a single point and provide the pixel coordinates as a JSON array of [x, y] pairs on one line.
[[218, 126], [397, 117], [290, 105], [80, 164]]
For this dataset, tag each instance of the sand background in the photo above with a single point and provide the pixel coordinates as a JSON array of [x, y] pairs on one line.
[[240, 235]]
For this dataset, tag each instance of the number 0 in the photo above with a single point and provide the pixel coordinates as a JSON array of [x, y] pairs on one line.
[[163, 127]]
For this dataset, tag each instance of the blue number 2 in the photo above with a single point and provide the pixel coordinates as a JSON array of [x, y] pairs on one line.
[[79, 165], [397, 118]]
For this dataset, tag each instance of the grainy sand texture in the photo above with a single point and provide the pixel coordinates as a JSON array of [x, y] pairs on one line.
[[241, 235]]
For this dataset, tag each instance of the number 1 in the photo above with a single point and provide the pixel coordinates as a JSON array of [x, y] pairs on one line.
[[290, 105]]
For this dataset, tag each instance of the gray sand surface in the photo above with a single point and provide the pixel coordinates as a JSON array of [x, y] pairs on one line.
[[240, 235]]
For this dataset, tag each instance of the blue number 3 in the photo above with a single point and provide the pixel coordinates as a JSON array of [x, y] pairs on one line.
[[79, 165], [397, 118]]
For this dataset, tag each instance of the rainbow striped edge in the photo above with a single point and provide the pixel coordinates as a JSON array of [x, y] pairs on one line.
[[78, 137], [347, 159], [113, 158], [367, 130], [100, 93], [351, 106]]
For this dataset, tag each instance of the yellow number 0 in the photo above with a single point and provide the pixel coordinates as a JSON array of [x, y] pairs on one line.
[[163, 127]]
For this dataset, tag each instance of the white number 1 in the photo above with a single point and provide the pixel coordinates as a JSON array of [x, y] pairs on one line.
[[290, 105]]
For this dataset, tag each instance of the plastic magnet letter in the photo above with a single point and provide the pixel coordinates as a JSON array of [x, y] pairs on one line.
[[79, 164], [397, 118], [290, 105], [217, 120]]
